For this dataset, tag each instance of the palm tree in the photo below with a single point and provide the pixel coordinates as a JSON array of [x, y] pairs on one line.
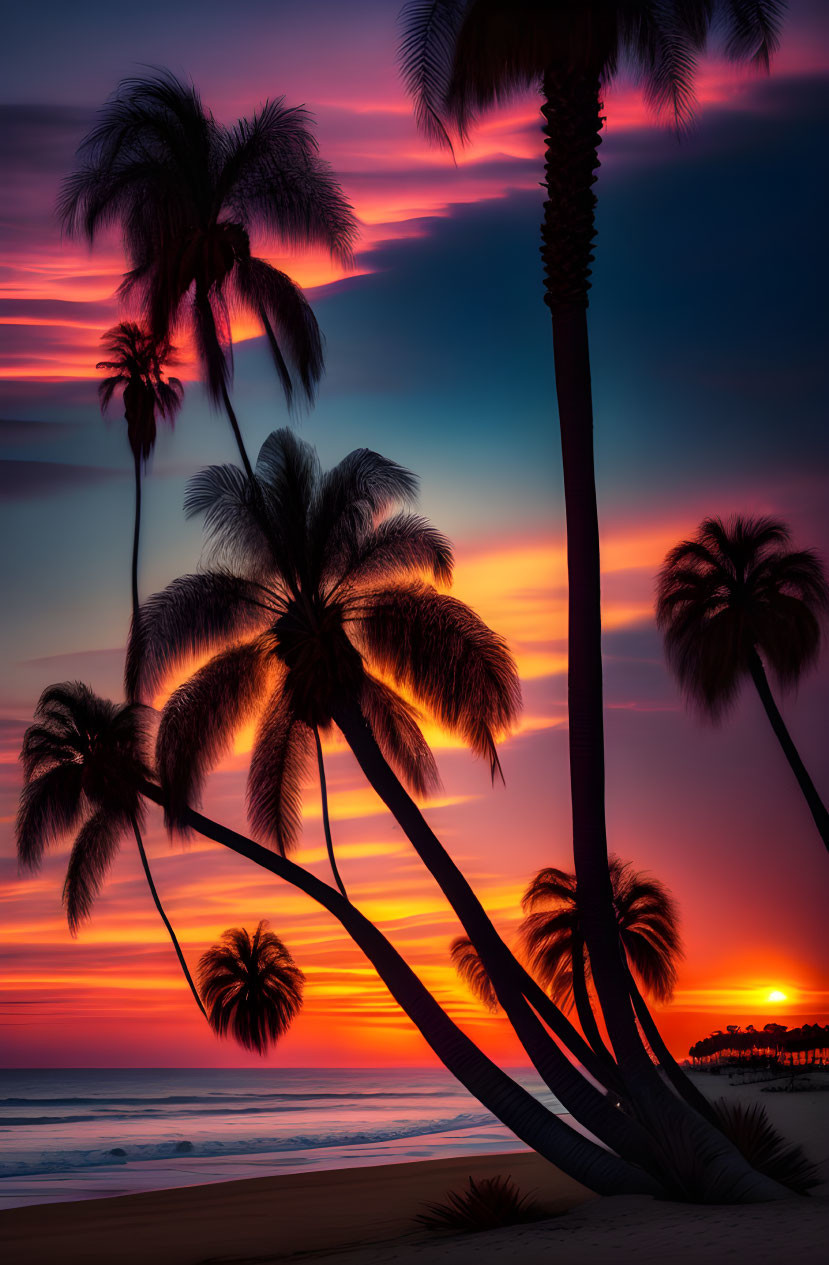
[[188, 193], [317, 616], [252, 987], [84, 759], [728, 600], [137, 364], [460, 57], [553, 939]]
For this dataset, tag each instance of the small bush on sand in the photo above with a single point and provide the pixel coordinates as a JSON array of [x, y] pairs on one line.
[[751, 1131], [487, 1204]]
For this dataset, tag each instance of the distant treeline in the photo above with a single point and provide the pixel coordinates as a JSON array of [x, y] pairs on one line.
[[774, 1043]]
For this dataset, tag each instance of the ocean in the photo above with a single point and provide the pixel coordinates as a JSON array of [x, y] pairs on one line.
[[83, 1133]]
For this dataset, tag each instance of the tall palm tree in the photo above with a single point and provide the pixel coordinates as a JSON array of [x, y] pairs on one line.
[[460, 57], [188, 193], [252, 987], [732, 600], [84, 760], [137, 365], [304, 613], [553, 938]]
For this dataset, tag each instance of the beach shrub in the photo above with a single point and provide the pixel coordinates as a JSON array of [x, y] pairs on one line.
[[747, 1125], [487, 1204]]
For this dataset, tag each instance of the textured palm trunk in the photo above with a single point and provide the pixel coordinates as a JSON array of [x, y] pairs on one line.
[[681, 1083], [817, 808], [592, 1108], [326, 822], [529, 1120], [164, 918], [573, 121], [136, 632], [581, 997]]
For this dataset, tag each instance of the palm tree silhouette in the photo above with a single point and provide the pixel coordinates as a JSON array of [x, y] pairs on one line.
[[138, 363], [188, 193], [303, 614], [251, 986], [84, 760], [460, 57], [729, 599], [553, 938]]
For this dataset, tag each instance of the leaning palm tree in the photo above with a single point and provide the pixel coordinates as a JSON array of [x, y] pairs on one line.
[[252, 987], [460, 57], [84, 760], [137, 365], [553, 938], [734, 600], [319, 615], [188, 193]]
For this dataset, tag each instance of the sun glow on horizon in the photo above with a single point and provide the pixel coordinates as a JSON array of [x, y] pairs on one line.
[[776, 995]]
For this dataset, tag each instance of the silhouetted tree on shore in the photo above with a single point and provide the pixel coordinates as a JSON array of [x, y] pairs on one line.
[[734, 600]]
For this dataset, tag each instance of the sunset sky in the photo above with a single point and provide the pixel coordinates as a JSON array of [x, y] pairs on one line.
[[708, 335]]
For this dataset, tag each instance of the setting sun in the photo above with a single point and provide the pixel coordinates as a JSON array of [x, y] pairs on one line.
[[776, 995]]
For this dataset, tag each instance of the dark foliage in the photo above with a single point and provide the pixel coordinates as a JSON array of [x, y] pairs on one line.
[[488, 1204], [733, 590], [251, 987], [138, 363], [187, 193], [749, 1128], [324, 589]]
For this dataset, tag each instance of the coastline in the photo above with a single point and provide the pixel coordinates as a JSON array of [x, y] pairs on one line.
[[364, 1215]]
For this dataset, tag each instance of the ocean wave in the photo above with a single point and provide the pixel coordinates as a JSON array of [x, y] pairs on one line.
[[117, 1156], [216, 1096]]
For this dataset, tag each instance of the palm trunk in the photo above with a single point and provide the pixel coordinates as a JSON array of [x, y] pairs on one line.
[[681, 1083], [817, 808], [326, 824], [136, 632], [573, 121], [164, 917], [580, 1158], [590, 1107], [581, 997], [135, 539]]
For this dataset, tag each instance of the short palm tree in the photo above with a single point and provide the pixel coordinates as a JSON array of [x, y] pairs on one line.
[[137, 365], [459, 58], [734, 600], [553, 939], [84, 759], [188, 193], [252, 987]]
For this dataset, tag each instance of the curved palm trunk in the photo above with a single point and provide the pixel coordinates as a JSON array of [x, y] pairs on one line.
[[164, 917], [573, 121], [582, 1159], [326, 823], [817, 808], [590, 1107], [681, 1083], [581, 997], [135, 539]]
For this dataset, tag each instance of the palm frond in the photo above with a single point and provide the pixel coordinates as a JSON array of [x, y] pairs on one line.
[[471, 684], [200, 720], [425, 54], [279, 766], [403, 545], [290, 324], [234, 531], [50, 806], [193, 615], [752, 29], [394, 724], [89, 863], [467, 962], [549, 885]]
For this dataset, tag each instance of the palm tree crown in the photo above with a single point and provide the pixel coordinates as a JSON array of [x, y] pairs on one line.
[[462, 56], [324, 601], [137, 363], [251, 986], [731, 592], [648, 927], [187, 193], [83, 761]]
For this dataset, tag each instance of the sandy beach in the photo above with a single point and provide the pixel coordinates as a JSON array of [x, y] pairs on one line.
[[366, 1215]]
